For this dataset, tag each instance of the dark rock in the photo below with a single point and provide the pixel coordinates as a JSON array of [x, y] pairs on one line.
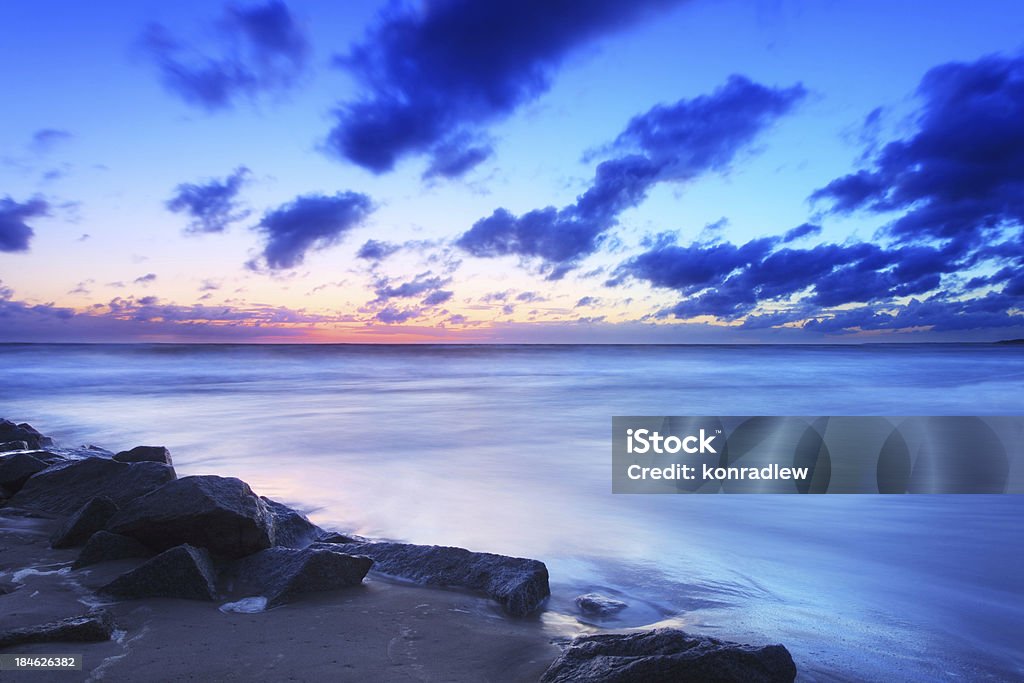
[[88, 628], [221, 514], [599, 605], [49, 457], [182, 572], [279, 574], [89, 519], [336, 537], [13, 446], [145, 454], [15, 469], [104, 546], [23, 432], [518, 584], [66, 486], [291, 528], [668, 655]]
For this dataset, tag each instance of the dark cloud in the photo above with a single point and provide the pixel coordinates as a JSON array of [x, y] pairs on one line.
[[530, 297], [437, 298], [45, 139], [264, 50], [425, 282], [375, 250], [210, 206], [961, 174], [805, 230], [15, 233], [433, 73], [587, 301], [391, 315], [669, 143], [145, 279], [310, 222]]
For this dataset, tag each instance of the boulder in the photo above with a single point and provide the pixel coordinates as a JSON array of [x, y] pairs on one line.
[[668, 655], [599, 605], [13, 446], [291, 528], [279, 574], [15, 469], [181, 572], [221, 514], [145, 454], [23, 432], [518, 584], [66, 486], [89, 628], [104, 546], [89, 519]]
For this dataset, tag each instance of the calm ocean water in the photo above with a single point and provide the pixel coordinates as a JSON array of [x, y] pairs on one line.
[[506, 449]]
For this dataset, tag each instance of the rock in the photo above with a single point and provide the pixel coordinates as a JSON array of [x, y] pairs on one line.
[[599, 605], [519, 585], [89, 628], [145, 454], [66, 486], [13, 446], [181, 572], [104, 546], [221, 514], [336, 537], [291, 528], [279, 574], [668, 655], [15, 469], [23, 432], [89, 519]]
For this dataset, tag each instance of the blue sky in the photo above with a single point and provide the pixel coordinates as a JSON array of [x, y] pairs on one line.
[[660, 171]]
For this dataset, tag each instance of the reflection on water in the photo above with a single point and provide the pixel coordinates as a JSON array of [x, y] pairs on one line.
[[507, 449]]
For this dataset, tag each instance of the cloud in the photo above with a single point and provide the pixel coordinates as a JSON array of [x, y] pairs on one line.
[[668, 143], [425, 282], [145, 279], [437, 298], [210, 206], [805, 230], [310, 222], [587, 301], [392, 315], [375, 250], [45, 139], [264, 50], [960, 175], [15, 233], [432, 74]]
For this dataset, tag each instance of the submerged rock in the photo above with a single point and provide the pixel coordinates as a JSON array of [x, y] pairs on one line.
[[668, 655], [520, 585], [13, 446], [23, 432], [66, 486], [15, 469], [279, 574], [104, 546], [599, 605], [181, 572], [221, 514], [291, 528], [89, 519], [88, 628], [145, 454]]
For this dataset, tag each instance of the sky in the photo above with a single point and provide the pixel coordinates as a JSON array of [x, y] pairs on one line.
[[660, 171]]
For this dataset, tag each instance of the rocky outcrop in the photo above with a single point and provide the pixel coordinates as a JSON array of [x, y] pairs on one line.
[[291, 528], [280, 574], [221, 514], [89, 628], [599, 605], [23, 432], [104, 546], [181, 572], [145, 454], [89, 519], [518, 584], [66, 486], [15, 469], [668, 655], [8, 446]]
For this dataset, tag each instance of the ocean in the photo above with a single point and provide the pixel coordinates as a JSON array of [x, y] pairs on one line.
[[507, 449]]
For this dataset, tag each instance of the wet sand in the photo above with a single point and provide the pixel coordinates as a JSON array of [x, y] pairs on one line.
[[380, 631]]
